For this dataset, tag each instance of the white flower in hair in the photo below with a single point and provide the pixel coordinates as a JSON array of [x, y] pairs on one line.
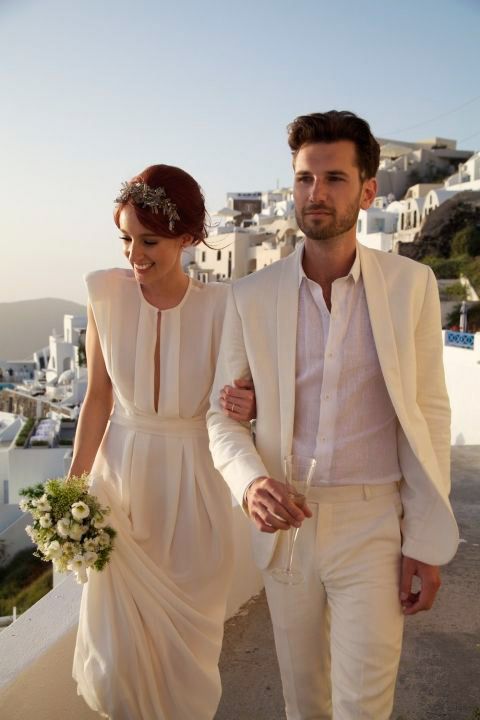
[[152, 198]]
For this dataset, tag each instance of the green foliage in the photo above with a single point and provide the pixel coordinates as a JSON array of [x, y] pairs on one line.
[[3, 550], [24, 432], [466, 242], [455, 291], [18, 577], [444, 268]]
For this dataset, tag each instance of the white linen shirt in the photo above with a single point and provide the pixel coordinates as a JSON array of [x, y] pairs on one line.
[[343, 414]]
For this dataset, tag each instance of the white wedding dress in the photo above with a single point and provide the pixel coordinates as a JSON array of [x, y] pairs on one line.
[[151, 623]]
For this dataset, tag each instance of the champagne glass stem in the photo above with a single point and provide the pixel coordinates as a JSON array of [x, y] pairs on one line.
[[292, 536]]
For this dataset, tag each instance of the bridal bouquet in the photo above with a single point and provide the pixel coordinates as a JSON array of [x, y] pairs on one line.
[[69, 525]]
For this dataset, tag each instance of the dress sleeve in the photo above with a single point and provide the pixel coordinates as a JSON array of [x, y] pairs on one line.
[[100, 286]]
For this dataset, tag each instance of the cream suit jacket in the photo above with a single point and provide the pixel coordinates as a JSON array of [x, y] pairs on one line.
[[259, 339]]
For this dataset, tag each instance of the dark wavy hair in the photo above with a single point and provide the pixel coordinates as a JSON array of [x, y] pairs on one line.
[[333, 126], [184, 191]]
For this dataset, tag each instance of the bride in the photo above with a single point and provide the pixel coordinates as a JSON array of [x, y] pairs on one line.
[[151, 623]]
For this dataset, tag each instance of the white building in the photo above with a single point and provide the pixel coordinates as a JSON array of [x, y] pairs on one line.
[[467, 177]]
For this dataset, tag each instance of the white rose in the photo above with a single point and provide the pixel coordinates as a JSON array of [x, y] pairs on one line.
[[54, 550], [78, 566], [90, 558], [46, 521], [30, 531], [99, 522], [89, 545], [63, 527], [104, 539], [76, 531], [43, 505], [80, 510], [69, 548], [24, 506]]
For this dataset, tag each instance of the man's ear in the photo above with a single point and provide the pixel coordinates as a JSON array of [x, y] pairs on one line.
[[369, 193]]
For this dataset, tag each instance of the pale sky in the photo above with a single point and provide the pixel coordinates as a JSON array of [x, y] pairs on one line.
[[94, 91]]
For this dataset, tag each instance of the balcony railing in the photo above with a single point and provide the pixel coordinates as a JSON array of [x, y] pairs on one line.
[[460, 339]]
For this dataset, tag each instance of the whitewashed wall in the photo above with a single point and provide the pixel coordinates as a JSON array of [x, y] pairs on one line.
[[462, 373]]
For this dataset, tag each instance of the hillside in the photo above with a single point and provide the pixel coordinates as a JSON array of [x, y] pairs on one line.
[[440, 227], [26, 325]]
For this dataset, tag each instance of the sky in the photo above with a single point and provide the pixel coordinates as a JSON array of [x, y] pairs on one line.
[[92, 92]]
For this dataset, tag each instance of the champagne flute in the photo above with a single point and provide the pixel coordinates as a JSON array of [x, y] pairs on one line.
[[298, 477]]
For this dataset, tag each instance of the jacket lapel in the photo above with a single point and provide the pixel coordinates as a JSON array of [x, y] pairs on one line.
[[382, 328], [287, 313]]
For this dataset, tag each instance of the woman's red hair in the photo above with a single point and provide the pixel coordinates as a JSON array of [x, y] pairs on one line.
[[183, 190]]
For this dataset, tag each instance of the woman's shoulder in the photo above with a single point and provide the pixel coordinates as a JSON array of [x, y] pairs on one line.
[[100, 282]]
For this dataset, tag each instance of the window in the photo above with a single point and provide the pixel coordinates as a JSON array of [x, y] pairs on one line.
[[359, 226], [219, 254], [204, 256]]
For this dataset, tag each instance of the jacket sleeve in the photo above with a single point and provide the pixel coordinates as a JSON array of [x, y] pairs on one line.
[[231, 444], [432, 394]]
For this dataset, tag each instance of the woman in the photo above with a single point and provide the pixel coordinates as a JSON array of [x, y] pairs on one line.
[[151, 623]]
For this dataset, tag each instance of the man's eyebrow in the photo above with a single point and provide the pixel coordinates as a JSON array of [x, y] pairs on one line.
[[337, 172]]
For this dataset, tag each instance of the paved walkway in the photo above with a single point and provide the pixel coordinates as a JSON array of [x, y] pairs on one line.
[[439, 677]]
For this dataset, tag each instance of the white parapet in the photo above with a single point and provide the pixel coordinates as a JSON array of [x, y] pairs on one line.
[[461, 356], [36, 651]]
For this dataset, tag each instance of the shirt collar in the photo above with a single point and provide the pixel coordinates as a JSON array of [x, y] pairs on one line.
[[354, 272]]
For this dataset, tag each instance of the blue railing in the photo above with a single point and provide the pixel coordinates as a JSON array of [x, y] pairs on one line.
[[459, 339]]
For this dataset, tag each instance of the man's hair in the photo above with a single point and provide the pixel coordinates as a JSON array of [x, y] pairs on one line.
[[333, 126]]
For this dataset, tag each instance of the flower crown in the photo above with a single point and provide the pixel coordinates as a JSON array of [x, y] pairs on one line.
[[153, 198]]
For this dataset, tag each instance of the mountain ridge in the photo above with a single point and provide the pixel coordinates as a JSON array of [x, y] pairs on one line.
[[25, 325]]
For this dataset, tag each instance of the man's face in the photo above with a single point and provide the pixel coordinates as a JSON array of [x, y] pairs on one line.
[[328, 191]]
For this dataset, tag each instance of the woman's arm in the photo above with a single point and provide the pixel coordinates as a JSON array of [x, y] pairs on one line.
[[96, 407]]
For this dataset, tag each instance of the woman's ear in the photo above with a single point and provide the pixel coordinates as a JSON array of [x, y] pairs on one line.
[[186, 240]]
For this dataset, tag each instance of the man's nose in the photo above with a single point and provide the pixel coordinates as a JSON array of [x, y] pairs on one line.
[[318, 191]]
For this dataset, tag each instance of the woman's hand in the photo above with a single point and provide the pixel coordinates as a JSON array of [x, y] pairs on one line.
[[239, 402]]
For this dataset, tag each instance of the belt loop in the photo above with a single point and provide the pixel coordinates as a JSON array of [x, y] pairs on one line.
[[367, 492]]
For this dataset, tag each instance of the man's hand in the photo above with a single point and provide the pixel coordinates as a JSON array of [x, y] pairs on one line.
[[271, 507], [429, 576], [239, 402]]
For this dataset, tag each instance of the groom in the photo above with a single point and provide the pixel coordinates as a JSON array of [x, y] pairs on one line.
[[345, 350]]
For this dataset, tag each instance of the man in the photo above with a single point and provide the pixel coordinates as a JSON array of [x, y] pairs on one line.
[[344, 347]]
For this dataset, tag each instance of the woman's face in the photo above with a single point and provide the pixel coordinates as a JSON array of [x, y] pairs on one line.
[[155, 259]]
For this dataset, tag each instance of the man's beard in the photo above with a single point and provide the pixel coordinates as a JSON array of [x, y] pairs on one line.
[[327, 227]]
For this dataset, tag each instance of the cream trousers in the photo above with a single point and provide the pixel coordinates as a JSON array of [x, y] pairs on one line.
[[338, 635]]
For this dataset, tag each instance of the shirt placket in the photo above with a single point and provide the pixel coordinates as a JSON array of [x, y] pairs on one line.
[[334, 332]]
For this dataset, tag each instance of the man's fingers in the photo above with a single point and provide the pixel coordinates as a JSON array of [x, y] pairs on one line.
[[261, 525], [429, 578], [269, 502], [244, 383], [408, 571]]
